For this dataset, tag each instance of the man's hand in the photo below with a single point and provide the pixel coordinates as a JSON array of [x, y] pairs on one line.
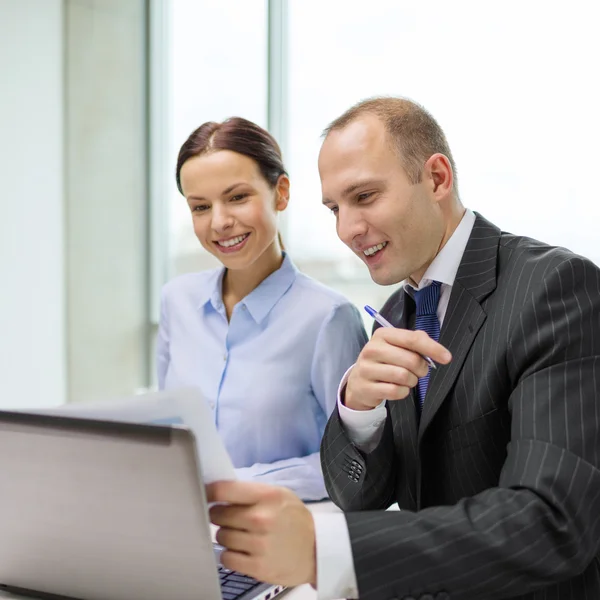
[[390, 365], [267, 531]]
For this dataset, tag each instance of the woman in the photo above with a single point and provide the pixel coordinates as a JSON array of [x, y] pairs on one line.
[[266, 344]]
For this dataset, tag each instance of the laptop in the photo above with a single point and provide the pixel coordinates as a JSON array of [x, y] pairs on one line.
[[102, 510]]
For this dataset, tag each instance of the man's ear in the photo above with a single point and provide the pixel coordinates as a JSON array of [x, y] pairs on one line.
[[282, 192], [438, 171]]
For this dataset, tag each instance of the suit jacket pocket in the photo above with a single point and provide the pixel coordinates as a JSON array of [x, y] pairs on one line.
[[491, 428]]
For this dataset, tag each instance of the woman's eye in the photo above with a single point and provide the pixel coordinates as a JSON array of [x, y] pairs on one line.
[[364, 196], [334, 210], [200, 208], [238, 197]]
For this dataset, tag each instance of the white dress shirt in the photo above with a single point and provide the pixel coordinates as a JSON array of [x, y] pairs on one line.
[[335, 566]]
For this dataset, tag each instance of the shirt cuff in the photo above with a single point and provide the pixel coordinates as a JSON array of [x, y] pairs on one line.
[[364, 427], [335, 565]]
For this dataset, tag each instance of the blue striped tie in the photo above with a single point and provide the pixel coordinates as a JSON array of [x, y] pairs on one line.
[[427, 320]]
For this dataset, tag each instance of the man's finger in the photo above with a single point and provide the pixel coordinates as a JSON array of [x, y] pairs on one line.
[[234, 517], [238, 541], [234, 492], [396, 365], [417, 341], [257, 519], [242, 563], [388, 354], [390, 391], [377, 372]]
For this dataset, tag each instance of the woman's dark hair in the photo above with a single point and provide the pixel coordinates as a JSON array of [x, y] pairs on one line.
[[238, 135]]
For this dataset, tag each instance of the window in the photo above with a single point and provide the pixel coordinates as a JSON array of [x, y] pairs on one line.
[[513, 85], [218, 69]]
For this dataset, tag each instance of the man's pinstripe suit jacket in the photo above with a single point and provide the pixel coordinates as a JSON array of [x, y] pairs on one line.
[[499, 480]]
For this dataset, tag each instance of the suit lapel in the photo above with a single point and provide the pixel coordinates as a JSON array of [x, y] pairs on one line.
[[403, 412], [396, 310], [475, 280]]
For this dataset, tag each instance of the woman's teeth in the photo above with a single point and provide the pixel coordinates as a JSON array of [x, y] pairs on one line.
[[233, 241]]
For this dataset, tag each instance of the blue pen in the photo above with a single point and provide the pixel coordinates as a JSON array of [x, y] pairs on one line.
[[385, 323]]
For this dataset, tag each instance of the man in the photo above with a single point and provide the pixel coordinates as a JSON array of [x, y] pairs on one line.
[[494, 456]]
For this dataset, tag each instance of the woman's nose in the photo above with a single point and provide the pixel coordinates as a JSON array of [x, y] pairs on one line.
[[222, 220]]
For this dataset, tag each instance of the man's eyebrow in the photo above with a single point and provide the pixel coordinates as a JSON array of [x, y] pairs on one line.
[[355, 186], [359, 184]]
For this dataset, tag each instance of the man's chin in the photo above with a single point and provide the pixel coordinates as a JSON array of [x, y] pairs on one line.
[[382, 277], [380, 272]]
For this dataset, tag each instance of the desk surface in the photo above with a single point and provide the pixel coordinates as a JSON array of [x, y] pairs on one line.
[[303, 592]]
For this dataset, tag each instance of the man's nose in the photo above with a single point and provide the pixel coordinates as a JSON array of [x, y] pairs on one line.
[[350, 226]]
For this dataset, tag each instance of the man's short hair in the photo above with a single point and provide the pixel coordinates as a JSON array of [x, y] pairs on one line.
[[414, 133]]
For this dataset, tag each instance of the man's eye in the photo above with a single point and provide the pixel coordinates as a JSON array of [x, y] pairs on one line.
[[364, 196], [333, 209]]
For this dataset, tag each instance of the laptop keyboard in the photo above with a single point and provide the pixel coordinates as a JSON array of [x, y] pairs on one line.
[[233, 584]]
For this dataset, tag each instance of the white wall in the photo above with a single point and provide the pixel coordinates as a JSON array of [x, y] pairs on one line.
[[106, 198], [32, 319]]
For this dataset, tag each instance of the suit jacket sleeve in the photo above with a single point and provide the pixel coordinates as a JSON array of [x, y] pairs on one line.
[[356, 480], [541, 524]]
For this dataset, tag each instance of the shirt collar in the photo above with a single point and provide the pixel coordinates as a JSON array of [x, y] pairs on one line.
[[260, 300], [445, 265]]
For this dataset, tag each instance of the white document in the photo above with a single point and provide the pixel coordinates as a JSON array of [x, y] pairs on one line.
[[183, 407]]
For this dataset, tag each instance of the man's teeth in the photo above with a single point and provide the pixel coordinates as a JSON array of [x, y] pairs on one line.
[[233, 241], [370, 251]]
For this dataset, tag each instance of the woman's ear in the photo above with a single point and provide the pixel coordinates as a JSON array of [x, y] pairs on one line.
[[282, 192]]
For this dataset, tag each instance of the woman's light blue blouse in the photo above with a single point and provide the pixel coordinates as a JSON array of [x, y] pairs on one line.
[[270, 375]]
